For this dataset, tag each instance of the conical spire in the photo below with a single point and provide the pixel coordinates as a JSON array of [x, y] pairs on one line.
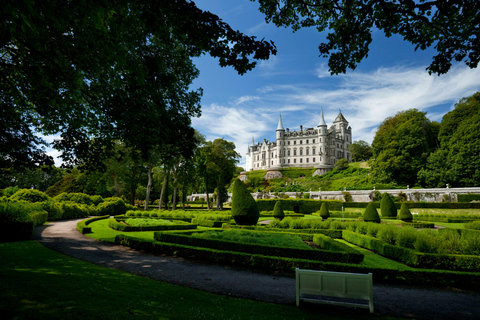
[[253, 142], [280, 124], [322, 120]]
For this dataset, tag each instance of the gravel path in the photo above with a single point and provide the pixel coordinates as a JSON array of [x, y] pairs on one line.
[[417, 303]]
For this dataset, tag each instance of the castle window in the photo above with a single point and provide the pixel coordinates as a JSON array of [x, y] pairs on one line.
[[288, 160], [272, 154], [313, 159], [284, 153], [307, 152], [300, 141], [295, 142], [313, 152], [295, 152], [307, 160], [306, 142], [288, 142], [289, 153], [294, 160], [313, 140], [301, 152], [272, 163], [301, 160]]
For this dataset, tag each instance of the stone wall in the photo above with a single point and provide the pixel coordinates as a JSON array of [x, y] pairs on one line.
[[427, 195]]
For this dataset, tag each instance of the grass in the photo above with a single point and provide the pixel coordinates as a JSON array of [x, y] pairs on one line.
[[38, 283], [266, 239]]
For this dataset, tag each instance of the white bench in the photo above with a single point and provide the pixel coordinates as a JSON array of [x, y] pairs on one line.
[[334, 284]]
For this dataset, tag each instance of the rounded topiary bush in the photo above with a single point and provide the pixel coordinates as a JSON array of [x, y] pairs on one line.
[[278, 211], [387, 207], [324, 212], [244, 208], [370, 214], [111, 206], [405, 214], [30, 195]]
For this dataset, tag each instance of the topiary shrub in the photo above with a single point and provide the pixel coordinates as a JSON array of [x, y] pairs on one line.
[[387, 207], [324, 213], [111, 206], [29, 195], [370, 214], [244, 208], [278, 211], [405, 214]]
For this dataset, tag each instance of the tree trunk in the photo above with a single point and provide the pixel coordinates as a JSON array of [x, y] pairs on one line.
[[174, 198], [149, 187], [206, 192], [163, 188], [115, 185]]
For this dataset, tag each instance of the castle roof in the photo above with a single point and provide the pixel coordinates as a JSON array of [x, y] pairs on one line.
[[322, 120], [340, 118], [280, 124]]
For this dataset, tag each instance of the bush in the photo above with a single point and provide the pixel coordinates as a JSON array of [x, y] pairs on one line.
[[347, 196], [111, 206], [53, 208], [29, 195], [387, 207], [324, 213], [406, 237], [370, 214], [278, 211], [72, 210], [244, 208], [10, 191], [405, 214], [18, 219]]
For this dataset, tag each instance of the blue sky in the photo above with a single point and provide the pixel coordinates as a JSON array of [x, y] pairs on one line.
[[297, 84]]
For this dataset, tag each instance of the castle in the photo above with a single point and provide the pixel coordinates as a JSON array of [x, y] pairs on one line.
[[313, 147]]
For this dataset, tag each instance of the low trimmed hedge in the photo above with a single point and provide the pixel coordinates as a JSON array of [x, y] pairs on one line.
[[336, 234], [419, 205], [413, 258], [468, 197], [118, 225], [327, 243], [440, 219], [309, 254], [432, 278], [208, 223], [304, 206], [83, 227], [418, 224]]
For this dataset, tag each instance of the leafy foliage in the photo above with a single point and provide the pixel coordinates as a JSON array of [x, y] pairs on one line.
[[341, 164], [370, 214], [405, 214], [360, 150], [387, 207], [324, 213], [451, 27], [278, 211], [244, 208], [30, 195]]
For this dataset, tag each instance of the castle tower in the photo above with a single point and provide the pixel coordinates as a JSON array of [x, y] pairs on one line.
[[322, 140], [280, 134], [341, 125]]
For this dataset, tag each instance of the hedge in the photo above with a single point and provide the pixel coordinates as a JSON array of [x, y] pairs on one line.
[[309, 254], [437, 278], [413, 258], [304, 206], [208, 223], [468, 197], [306, 234], [441, 219], [19, 218], [327, 243], [83, 227], [418, 224], [180, 225], [419, 205]]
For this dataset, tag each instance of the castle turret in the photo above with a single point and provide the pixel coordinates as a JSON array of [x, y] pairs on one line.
[[280, 133], [322, 140]]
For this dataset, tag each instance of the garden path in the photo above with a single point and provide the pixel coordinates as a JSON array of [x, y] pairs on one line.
[[399, 301]]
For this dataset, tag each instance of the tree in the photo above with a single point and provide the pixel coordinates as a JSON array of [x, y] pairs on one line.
[[278, 211], [324, 212], [387, 207], [107, 70], [401, 147], [457, 161], [341, 164], [452, 27], [370, 214], [405, 214], [244, 208], [360, 151]]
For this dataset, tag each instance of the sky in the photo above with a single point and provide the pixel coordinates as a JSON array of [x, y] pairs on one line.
[[296, 84]]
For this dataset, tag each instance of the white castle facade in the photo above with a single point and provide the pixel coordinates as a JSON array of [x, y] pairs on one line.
[[318, 147]]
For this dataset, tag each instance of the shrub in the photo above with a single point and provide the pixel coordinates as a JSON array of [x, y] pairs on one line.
[[29, 195], [278, 211], [324, 213], [401, 197], [244, 208], [53, 208], [72, 210], [111, 206], [406, 237], [405, 214], [475, 225], [387, 207], [16, 222], [347, 196], [388, 233], [370, 214], [10, 191], [426, 242]]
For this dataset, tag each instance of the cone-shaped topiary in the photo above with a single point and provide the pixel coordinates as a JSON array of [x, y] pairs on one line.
[[278, 211], [244, 208], [370, 214], [405, 214], [387, 207], [324, 213]]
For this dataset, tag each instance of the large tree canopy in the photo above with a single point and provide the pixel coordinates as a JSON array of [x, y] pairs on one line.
[[402, 145], [452, 27], [98, 71], [457, 161]]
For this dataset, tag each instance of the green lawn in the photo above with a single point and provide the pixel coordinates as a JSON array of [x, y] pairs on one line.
[[38, 283]]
